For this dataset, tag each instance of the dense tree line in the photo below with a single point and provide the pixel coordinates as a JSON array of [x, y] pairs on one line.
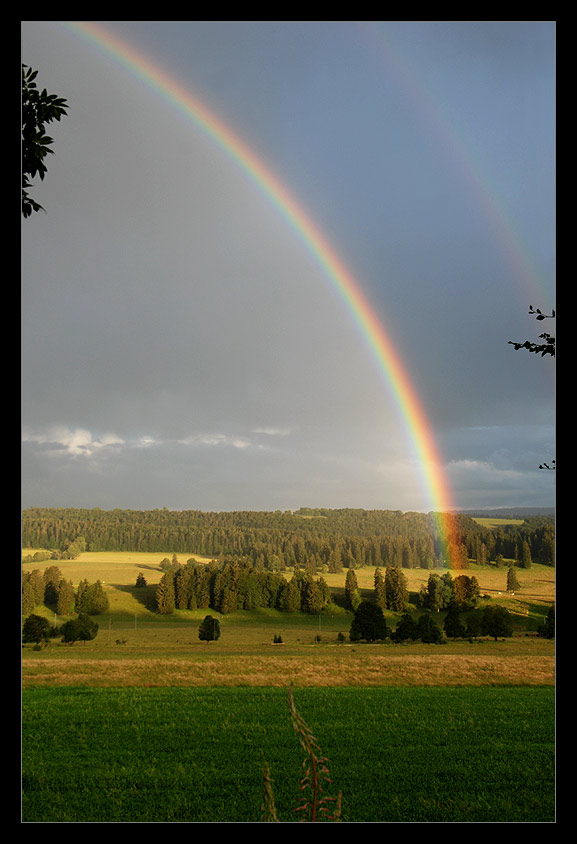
[[318, 540]]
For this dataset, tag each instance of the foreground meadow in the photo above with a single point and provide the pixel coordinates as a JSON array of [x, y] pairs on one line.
[[399, 755], [146, 723]]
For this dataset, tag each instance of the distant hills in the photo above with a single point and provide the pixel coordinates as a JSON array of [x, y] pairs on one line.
[[508, 512]]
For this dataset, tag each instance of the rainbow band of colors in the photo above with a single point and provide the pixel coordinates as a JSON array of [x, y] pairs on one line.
[[386, 356]]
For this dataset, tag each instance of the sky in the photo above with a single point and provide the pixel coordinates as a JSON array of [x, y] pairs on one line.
[[182, 344]]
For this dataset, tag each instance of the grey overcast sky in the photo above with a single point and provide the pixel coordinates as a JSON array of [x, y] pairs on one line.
[[181, 346]]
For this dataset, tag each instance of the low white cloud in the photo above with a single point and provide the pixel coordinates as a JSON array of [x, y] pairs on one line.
[[273, 432], [76, 442], [216, 440]]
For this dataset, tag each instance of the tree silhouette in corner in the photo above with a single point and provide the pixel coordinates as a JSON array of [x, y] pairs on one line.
[[547, 347], [38, 109]]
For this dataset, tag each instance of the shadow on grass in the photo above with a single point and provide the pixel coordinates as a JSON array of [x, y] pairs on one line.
[[144, 595]]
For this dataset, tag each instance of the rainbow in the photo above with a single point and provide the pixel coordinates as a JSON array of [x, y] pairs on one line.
[[377, 37], [389, 363]]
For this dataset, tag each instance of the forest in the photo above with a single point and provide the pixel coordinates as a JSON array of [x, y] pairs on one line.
[[316, 539]]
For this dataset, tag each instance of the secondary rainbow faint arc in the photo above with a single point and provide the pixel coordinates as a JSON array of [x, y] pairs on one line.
[[388, 360]]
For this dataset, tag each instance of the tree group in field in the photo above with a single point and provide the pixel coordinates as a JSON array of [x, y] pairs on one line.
[[231, 586], [52, 589]]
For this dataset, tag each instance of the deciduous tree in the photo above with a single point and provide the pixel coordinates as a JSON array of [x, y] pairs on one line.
[[406, 629], [497, 622], [81, 629], [368, 623], [429, 632], [209, 630], [36, 629], [38, 109]]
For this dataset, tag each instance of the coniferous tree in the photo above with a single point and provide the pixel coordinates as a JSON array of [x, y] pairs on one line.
[[52, 578], [311, 597], [165, 597], [183, 585], [35, 580], [396, 589], [526, 559], [66, 598], [28, 598], [82, 596], [289, 599], [380, 590], [465, 591], [97, 599], [513, 584], [352, 594]]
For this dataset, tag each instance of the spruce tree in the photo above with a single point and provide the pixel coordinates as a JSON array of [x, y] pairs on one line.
[[66, 597], [396, 589], [165, 598], [513, 584], [289, 599], [97, 599], [311, 597], [380, 591], [352, 594], [28, 598], [526, 560]]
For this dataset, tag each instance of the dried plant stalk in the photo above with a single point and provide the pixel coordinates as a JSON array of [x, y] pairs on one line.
[[314, 805]]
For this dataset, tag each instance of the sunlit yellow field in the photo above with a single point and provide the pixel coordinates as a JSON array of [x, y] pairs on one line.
[[136, 646]]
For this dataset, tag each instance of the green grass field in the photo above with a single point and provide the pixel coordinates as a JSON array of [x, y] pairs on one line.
[[197, 755]]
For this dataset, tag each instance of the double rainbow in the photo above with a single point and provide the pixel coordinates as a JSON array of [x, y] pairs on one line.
[[389, 363]]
